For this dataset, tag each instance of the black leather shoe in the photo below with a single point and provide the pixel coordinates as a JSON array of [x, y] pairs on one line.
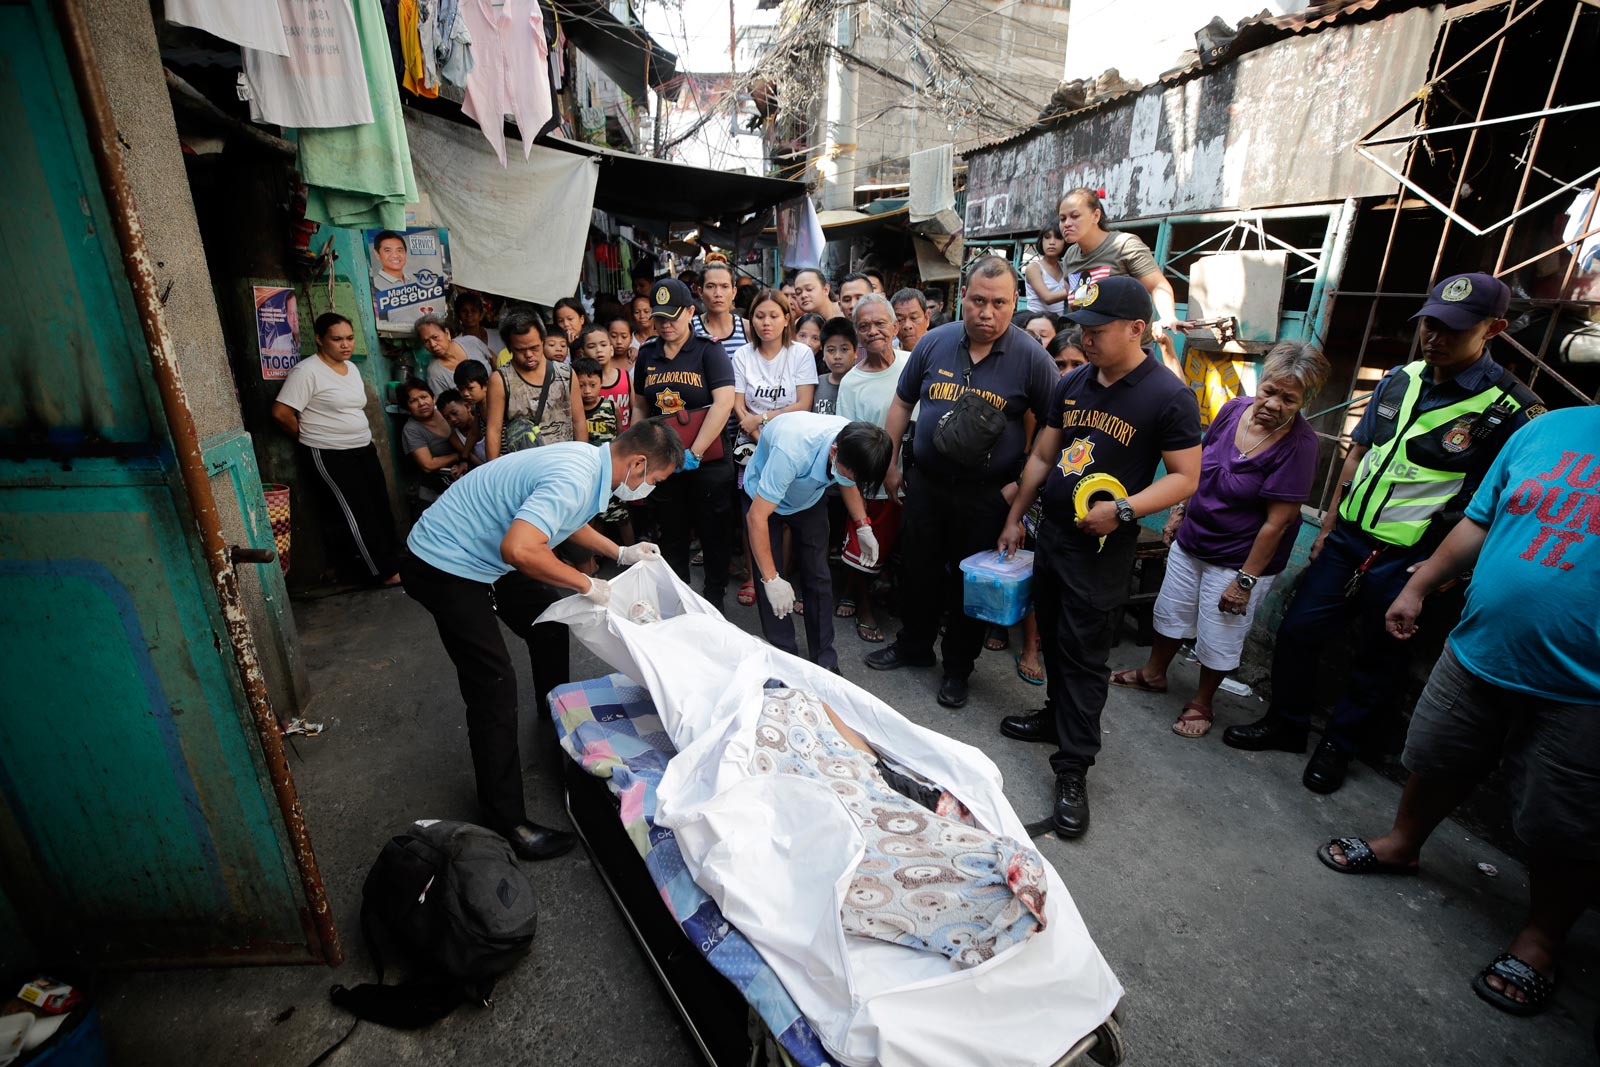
[[1034, 726], [953, 692], [530, 841], [1266, 734], [892, 658], [1071, 815], [1326, 769]]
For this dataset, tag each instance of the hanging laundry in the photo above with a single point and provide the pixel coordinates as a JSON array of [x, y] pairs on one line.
[[1589, 252], [360, 176], [428, 37], [322, 82], [509, 76], [247, 23], [415, 80], [454, 47]]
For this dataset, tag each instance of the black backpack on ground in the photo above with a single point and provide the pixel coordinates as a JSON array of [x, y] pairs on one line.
[[452, 897]]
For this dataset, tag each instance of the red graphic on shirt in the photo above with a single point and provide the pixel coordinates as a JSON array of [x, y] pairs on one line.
[[1566, 513]]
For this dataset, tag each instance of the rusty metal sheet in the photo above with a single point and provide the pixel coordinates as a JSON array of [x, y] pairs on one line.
[[1274, 127]]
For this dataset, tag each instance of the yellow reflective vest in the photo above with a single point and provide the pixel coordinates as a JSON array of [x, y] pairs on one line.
[[1431, 459]]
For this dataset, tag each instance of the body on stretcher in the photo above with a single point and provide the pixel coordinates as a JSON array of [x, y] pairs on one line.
[[776, 865]]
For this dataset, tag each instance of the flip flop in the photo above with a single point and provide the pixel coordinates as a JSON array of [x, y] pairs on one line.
[[1193, 712], [873, 635], [998, 639], [1359, 857], [1024, 675], [747, 594], [846, 609], [1134, 679], [1514, 971]]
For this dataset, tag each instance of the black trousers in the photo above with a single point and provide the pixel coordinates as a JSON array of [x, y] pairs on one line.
[[468, 615], [698, 502], [1317, 616], [1078, 593], [808, 531], [353, 498], [945, 522]]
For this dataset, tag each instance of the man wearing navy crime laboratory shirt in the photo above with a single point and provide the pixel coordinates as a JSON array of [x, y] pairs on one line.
[[799, 455], [486, 549], [957, 503], [1118, 416]]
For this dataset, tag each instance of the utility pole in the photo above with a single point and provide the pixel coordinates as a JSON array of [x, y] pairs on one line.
[[733, 64]]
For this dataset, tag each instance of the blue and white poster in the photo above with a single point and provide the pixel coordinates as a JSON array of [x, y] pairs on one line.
[[277, 330], [410, 275]]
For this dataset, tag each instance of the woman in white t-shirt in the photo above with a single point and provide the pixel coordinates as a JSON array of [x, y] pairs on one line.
[[323, 406], [772, 374]]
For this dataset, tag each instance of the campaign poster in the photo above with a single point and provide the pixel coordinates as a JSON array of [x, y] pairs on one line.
[[277, 330], [410, 275]]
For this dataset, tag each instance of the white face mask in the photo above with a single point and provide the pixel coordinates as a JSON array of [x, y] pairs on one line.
[[629, 493]]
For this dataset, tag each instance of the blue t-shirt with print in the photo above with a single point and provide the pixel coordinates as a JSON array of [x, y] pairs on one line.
[[1532, 620]]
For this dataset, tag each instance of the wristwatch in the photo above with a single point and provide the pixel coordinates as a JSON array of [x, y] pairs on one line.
[[1124, 510], [1246, 582]]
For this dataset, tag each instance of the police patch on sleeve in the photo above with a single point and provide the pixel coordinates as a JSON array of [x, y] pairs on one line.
[[1533, 411]]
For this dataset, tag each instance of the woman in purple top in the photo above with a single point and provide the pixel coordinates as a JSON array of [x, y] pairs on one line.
[[1232, 538]]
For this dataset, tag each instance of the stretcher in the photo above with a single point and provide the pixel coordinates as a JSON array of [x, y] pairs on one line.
[[732, 1004]]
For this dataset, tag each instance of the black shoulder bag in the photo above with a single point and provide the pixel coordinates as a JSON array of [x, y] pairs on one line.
[[967, 433]]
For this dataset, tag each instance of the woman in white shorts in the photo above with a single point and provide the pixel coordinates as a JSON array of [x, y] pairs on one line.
[[1233, 537]]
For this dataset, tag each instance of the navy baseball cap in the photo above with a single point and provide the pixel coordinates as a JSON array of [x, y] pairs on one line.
[[1462, 301], [669, 299], [1110, 299]]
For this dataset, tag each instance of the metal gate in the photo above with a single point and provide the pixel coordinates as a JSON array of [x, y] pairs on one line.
[[146, 814]]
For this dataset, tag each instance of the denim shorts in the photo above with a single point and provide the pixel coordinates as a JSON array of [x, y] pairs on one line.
[[1463, 726]]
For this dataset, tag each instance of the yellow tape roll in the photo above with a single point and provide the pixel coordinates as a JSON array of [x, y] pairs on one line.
[[1088, 487]]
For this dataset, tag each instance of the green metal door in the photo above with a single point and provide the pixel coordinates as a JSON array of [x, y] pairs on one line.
[[137, 821]]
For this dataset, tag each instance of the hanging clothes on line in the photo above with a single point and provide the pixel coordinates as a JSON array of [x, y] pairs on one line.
[[322, 82], [415, 80], [360, 176], [453, 48], [247, 23], [509, 74]]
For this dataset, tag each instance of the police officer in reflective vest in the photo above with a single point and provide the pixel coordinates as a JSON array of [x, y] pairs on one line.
[[1428, 435]]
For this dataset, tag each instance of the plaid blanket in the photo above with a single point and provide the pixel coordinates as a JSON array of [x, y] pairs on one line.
[[609, 726]]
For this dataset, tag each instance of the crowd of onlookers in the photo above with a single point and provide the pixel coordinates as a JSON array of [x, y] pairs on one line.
[[1002, 439]]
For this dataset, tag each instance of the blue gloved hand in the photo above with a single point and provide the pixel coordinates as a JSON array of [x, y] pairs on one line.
[[690, 461]]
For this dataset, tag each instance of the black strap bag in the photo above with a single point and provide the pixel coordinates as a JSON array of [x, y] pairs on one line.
[[452, 898], [967, 433]]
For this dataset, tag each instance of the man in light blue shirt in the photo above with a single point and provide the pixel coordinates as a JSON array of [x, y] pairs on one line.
[[489, 550], [798, 455]]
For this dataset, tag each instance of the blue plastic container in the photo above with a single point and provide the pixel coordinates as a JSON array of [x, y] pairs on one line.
[[996, 590]]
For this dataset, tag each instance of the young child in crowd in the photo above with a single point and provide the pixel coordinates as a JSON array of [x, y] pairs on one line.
[[624, 346], [808, 331], [472, 382], [464, 420], [604, 421], [594, 342], [839, 355], [1066, 349], [555, 346]]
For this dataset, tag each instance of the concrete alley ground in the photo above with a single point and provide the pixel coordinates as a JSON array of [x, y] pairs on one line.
[[1198, 882]]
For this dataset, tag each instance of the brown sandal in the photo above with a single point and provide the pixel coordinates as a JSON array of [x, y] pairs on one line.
[[1193, 712], [1134, 679]]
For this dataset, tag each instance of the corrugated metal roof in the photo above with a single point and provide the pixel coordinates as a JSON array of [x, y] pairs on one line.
[[1253, 33]]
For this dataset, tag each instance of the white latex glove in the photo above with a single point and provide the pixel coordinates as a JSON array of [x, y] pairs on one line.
[[780, 594], [599, 592], [869, 546], [632, 554]]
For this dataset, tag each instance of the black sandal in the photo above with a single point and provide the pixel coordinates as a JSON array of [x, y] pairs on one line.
[[1514, 971], [1359, 858]]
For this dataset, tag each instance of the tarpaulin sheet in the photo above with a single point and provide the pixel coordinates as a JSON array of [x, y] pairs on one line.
[[517, 230], [778, 853]]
